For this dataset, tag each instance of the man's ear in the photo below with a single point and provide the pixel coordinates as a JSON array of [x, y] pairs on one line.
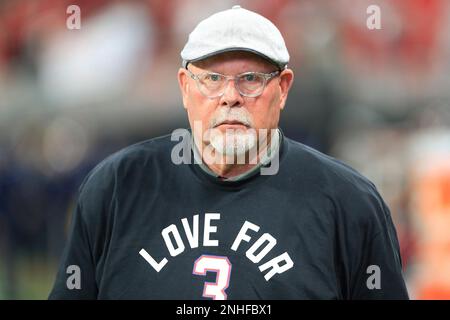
[[183, 82], [286, 81]]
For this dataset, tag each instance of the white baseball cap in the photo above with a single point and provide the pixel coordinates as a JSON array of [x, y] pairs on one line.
[[236, 29]]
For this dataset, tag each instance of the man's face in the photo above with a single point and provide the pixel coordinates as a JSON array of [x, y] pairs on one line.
[[233, 111]]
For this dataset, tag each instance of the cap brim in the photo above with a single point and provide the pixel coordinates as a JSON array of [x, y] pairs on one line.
[[281, 66]]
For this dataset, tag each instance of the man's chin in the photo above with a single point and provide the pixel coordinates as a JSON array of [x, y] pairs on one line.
[[232, 145], [230, 151]]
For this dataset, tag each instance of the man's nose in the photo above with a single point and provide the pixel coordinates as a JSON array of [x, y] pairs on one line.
[[231, 96]]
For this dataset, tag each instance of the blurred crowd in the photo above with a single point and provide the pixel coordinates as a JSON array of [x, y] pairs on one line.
[[376, 99]]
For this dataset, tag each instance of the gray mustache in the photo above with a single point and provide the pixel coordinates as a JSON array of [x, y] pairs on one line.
[[227, 115]]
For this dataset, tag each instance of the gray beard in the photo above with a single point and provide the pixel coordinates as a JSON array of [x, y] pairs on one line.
[[232, 144]]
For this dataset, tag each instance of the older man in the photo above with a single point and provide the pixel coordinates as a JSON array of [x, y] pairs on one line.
[[231, 209]]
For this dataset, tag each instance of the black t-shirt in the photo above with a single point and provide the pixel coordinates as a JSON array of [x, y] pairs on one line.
[[146, 228]]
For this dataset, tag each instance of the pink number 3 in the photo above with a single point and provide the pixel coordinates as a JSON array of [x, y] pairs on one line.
[[220, 265]]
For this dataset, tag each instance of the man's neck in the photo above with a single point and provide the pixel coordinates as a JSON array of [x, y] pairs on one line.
[[227, 171]]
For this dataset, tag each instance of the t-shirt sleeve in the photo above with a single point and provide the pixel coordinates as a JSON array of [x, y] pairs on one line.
[[76, 275], [380, 268], [80, 267]]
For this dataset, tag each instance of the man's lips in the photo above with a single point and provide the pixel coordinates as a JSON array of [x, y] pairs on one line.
[[232, 122]]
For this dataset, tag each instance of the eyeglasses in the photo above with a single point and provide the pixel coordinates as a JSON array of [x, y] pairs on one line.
[[250, 84]]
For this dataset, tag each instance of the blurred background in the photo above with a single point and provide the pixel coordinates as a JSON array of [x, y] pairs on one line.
[[376, 99]]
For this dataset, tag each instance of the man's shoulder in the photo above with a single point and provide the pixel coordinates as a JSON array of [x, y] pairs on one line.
[[352, 195], [130, 158], [326, 170], [150, 148]]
